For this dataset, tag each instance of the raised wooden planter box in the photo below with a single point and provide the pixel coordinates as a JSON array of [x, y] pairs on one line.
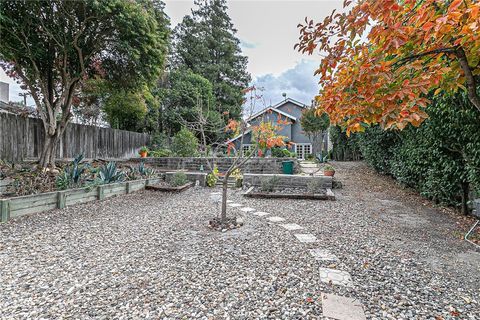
[[15, 207], [170, 189], [301, 196]]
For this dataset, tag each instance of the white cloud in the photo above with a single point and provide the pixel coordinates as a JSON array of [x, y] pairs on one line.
[[297, 82]]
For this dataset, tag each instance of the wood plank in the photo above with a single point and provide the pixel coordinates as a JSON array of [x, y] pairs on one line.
[[29, 210]]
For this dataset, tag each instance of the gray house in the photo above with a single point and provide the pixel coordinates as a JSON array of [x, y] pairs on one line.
[[289, 111]]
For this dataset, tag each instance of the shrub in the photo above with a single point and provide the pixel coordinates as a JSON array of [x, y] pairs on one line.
[[160, 153], [269, 184], [440, 159], [278, 152], [344, 148], [185, 144], [314, 186], [179, 179], [212, 178], [328, 167]]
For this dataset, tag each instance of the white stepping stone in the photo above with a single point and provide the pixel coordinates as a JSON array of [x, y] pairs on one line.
[[275, 219], [337, 277], [247, 209], [291, 226], [234, 205], [261, 213], [342, 308], [323, 255], [306, 237]]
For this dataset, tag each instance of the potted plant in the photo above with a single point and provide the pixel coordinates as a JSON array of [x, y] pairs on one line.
[[143, 152], [328, 171]]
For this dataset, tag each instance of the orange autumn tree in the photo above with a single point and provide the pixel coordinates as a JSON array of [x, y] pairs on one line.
[[265, 136], [382, 57]]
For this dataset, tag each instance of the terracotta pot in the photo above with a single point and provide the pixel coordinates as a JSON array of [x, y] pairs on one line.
[[143, 154], [329, 173]]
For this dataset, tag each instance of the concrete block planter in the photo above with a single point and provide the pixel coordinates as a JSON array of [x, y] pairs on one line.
[[15, 207], [287, 180]]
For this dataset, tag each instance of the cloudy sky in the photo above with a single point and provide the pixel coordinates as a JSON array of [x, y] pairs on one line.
[[268, 31]]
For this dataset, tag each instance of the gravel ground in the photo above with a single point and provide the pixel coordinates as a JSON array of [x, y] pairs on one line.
[[150, 255]]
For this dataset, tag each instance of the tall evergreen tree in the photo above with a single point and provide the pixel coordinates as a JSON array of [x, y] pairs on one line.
[[205, 43]]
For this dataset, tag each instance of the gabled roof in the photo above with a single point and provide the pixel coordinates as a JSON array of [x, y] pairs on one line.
[[298, 103], [256, 115], [275, 109]]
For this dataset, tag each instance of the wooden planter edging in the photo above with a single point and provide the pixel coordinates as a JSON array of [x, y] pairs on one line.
[[301, 196], [15, 207], [168, 188]]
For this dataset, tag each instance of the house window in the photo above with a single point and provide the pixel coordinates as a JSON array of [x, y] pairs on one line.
[[246, 148], [302, 149]]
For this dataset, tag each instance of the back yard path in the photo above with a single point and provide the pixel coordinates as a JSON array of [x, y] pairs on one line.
[[150, 255]]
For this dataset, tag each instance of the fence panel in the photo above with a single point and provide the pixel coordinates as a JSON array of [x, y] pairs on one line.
[[22, 138]]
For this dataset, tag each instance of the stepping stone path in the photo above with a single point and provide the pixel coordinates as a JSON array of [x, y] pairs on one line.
[[306, 237], [275, 219], [234, 205], [322, 255], [291, 226], [337, 277], [342, 308], [333, 306]]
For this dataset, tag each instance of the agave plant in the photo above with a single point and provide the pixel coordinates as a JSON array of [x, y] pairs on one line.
[[145, 171], [110, 174], [71, 176]]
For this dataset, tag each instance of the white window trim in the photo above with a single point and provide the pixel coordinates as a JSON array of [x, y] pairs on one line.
[[303, 149]]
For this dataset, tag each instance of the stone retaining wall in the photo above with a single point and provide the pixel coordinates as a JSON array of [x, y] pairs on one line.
[[287, 181], [201, 177], [254, 165]]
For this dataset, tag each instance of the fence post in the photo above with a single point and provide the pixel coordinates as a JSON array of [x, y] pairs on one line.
[[61, 199], [101, 192], [4, 210], [129, 187]]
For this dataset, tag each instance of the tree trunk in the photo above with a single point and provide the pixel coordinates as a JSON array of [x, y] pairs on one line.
[[49, 150], [469, 77], [223, 215]]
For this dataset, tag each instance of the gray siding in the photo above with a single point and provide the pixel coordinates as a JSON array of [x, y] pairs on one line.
[[293, 131]]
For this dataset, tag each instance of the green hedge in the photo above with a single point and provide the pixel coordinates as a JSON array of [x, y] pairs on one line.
[[344, 148], [440, 159]]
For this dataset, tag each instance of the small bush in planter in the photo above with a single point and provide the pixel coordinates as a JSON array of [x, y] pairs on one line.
[[314, 186], [329, 170], [179, 179], [269, 184]]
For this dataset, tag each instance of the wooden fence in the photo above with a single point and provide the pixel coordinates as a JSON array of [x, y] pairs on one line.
[[22, 138]]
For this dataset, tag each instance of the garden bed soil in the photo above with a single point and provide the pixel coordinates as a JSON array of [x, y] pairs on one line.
[[290, 194], [27, 179], [165, 187], [229, 224]]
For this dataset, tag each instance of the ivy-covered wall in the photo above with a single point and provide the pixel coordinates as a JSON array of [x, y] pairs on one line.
[[440, 159]]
